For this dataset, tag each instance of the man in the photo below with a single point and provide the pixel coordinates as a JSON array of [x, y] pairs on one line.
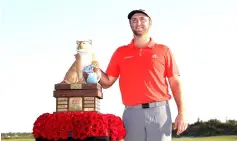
[[143, 67]]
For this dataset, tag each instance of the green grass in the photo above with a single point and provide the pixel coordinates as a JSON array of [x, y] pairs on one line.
[[18, 139], [218, 138]]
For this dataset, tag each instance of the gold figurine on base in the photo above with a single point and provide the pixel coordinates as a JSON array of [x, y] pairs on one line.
[[80, 90], [84, 58]]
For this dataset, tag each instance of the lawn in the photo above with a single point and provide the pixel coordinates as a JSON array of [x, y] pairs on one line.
[[218, 138]]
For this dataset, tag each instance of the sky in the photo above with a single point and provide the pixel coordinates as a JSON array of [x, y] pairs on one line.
[[38, 43]]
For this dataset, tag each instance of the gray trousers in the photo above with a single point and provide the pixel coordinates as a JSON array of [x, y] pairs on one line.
[[148, 124]]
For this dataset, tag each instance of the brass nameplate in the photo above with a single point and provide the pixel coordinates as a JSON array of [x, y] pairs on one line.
[[89, 98], [97, 102], [75, 104], [62, 102], [61, 110], [89, 105], [62, 106], [62, 99], [89, 102], [89, 109], [75, 86]]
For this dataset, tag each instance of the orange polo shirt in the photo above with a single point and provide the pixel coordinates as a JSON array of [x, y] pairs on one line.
[[142, 72]]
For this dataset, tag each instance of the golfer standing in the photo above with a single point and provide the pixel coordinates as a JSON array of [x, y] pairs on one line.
[[142, 67]]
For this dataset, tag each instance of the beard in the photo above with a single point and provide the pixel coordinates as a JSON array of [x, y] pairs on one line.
[[140, 33]]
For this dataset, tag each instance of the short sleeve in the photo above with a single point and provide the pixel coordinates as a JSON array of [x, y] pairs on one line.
[[171, 65], [113, 67]]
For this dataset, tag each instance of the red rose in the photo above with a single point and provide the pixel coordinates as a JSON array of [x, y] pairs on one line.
[[89, 124], [39, 125], [79, 124], [116, 127]]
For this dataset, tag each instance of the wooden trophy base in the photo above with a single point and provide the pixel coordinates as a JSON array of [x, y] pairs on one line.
[[77, 97]]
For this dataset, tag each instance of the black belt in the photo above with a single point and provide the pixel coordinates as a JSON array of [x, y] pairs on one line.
[[145, 105], [149, 105]]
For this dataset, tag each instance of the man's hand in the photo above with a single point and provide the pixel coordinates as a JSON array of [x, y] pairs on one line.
[[181, 123], [106, 81]]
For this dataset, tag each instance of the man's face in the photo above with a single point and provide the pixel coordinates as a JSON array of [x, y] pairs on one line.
[[140, 24]]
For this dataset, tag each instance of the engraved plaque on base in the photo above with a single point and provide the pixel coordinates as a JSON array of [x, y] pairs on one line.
[[75, 103], [62, 104], [89, 109], [77, 97]]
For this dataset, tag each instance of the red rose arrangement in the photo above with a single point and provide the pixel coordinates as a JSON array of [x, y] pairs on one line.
[[88, 124], [116, 127], [80, 125]]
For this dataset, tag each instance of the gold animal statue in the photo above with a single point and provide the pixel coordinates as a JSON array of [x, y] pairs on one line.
[[84, 57]]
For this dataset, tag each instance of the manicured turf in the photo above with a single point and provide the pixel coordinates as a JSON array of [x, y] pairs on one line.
[[18, 139], [218, 138]]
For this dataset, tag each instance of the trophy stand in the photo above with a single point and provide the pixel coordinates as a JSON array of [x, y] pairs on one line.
[[78, 97], [77, 94], [74, 96]]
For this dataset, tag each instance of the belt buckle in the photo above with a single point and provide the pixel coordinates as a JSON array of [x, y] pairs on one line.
[[145, 105]]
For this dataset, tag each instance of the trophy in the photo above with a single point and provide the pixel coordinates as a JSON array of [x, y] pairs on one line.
[[80, 91]]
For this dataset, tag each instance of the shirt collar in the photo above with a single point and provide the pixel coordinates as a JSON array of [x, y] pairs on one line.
[[150, 45]]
